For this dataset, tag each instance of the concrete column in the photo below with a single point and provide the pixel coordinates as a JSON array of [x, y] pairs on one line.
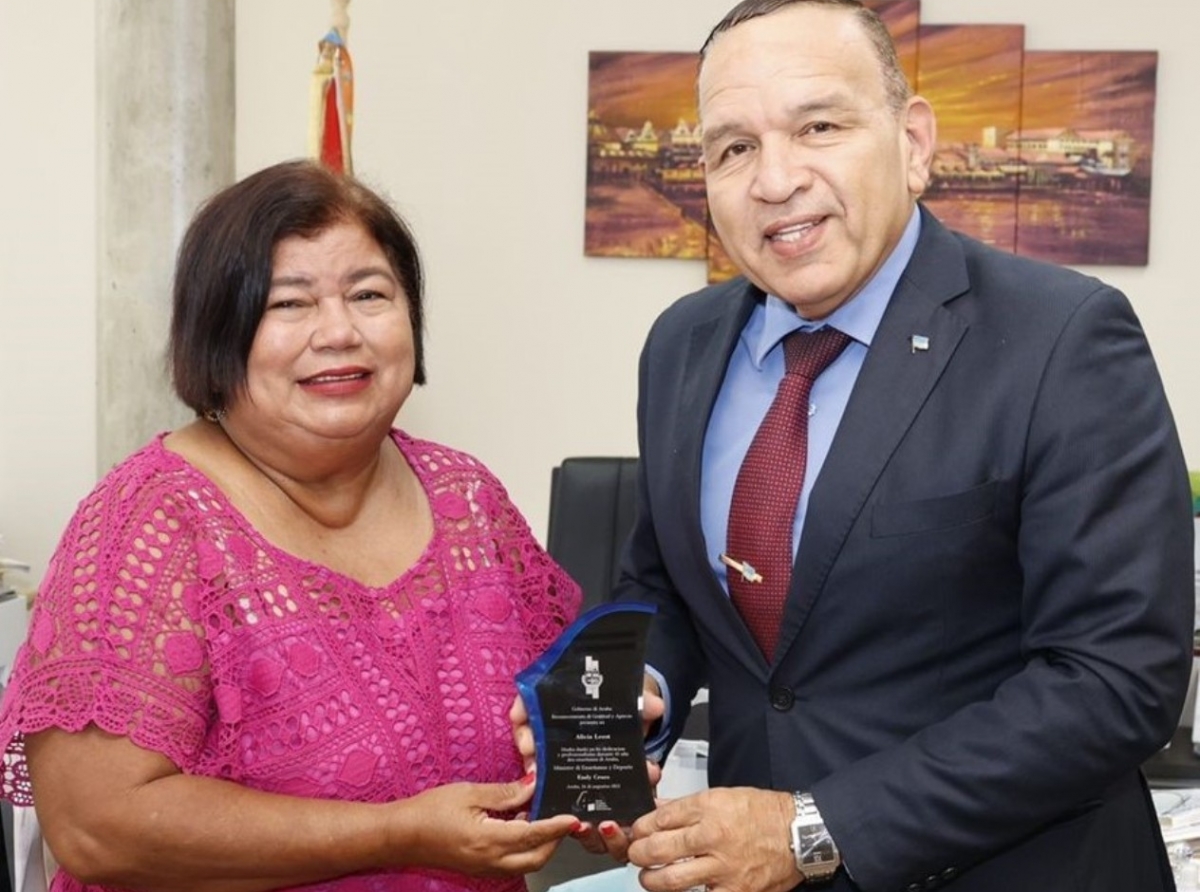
[[165, 110]]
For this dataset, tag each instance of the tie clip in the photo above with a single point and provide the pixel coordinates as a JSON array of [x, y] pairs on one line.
[[746, 570]]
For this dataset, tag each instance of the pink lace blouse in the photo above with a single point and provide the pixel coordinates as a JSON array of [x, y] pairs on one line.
[[165, 617]]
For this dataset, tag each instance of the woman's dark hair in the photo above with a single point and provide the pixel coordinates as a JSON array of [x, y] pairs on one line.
[[223, 271]]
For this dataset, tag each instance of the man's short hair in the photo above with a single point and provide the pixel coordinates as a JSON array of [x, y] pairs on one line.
[[894, 82]]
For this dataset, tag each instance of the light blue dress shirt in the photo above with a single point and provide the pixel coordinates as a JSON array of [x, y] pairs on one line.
[[755, 370]]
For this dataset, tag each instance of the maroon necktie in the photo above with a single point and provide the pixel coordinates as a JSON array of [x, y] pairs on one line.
[[763, 510]]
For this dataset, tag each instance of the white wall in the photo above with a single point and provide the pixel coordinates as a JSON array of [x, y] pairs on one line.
[[47, 272], [471, 115]]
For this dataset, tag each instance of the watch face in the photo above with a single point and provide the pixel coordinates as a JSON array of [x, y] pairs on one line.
[[816, 855], [819, 849]]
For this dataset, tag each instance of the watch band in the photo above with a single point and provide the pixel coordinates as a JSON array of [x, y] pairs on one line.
[[817, 856]]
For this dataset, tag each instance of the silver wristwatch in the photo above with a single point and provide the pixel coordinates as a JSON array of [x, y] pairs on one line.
[[816, 855]]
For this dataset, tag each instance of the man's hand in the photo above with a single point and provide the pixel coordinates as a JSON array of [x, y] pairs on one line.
[[728, 839], [653, 705]]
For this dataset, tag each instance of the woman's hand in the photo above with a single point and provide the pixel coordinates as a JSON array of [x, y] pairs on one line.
[[454, 827], [522, 733]]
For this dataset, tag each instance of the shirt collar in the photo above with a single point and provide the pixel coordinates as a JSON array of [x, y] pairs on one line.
[[858, 317]]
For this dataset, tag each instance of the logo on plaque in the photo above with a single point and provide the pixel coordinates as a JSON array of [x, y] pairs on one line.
[[592, 679]]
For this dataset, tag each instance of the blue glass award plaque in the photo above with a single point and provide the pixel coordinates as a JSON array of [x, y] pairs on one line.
[[584, 699]]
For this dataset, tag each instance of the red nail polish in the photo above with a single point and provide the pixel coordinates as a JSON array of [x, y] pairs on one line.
[[577, 826], [529, 778], [608, 830]]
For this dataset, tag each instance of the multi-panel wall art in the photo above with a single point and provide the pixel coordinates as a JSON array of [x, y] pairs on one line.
[[1042, 153]]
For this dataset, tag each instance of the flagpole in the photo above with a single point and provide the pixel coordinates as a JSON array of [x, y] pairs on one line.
[[331, 95]]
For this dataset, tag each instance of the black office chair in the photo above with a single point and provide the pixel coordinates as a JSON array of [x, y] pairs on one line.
[[591, 513], [592, 506]]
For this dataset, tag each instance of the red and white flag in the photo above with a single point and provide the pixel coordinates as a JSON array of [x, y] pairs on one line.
[[331, 99]]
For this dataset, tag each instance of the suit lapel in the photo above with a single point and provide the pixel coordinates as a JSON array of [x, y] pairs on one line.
[[710, 345], [894, 383]]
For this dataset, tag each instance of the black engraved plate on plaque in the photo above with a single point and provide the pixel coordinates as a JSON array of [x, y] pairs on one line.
[[584, 699]]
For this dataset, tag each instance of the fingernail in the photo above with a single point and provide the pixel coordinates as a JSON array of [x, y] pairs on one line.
[[529, 778], [577, 826], [607, 829]]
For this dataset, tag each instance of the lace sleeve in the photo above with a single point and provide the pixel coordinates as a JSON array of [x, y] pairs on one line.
[[113, 640], [547, 597]]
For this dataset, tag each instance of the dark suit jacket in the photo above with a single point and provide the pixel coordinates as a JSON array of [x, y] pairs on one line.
[[990, 618]]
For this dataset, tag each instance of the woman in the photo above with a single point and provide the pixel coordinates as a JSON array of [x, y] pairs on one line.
[[276, 647]]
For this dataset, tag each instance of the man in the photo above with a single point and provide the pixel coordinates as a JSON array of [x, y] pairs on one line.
[[985, 619]]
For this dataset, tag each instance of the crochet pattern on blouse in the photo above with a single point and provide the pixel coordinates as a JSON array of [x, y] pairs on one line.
[[166, 618]]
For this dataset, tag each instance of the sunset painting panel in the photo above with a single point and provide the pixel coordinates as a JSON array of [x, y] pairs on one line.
[[1047, 153], [903, 20], [645, 187], [1085, 147], [971, 74]]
